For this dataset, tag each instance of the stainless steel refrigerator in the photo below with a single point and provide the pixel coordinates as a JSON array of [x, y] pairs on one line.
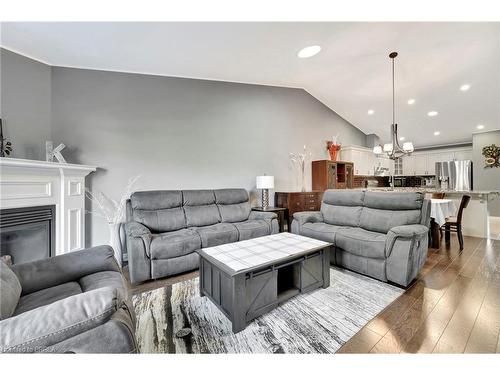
[[454, 175]]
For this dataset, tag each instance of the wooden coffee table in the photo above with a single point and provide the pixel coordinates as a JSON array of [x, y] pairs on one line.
[[247, 279]]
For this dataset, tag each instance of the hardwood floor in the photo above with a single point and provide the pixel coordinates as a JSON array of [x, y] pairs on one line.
[[452, 307]]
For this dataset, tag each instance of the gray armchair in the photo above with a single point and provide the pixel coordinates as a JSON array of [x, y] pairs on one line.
[[165, 228], [76, 302], [379, 234]]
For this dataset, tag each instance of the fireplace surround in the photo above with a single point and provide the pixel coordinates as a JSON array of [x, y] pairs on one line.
[[28, 184]]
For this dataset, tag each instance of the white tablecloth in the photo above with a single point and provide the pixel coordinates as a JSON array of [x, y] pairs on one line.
[[441, 209]]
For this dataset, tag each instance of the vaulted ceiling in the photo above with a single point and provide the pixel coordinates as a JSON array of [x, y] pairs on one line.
[[351, 75]]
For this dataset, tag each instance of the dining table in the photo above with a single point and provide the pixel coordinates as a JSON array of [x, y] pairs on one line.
[[441, 209]]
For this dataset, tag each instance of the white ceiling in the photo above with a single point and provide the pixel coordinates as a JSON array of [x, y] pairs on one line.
[[350, 75]]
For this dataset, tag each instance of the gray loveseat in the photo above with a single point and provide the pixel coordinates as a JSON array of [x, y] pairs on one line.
[[380, 234], [165, 228], [76, 302]]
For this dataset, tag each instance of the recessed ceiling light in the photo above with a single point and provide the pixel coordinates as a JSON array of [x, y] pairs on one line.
[[480, 127], [371, 112], [432, 113], [308, 51], [437, 133], [464, 87], [401, 138], [411, 101]]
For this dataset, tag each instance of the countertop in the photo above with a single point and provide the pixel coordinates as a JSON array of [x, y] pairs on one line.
[[430, 190]]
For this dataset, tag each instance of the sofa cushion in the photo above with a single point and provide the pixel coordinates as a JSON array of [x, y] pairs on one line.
[[217, 234], [160, 211], [341, 215], [200, 208], [361, 242], [383, 220], [230, 196], [10, 291], [252, 229], [344, 197], [233, 204], [47, 296], [156, 199], [320, 231], [161, 220], [394, 200], [39, 328], [174, 244], [197, 197]]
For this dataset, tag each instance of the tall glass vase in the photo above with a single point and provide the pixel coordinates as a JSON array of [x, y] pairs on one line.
[[114, 241], [303, 177]]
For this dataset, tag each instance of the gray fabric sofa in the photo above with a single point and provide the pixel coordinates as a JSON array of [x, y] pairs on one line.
[[165, 228], [380, 234], [76, 303]]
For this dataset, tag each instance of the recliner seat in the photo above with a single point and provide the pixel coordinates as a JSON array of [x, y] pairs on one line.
[[379, 234], [165, 228]]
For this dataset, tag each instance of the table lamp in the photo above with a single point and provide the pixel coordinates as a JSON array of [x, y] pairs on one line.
[[265, 183]]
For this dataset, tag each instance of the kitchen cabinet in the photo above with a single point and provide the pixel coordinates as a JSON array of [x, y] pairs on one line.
[[408, 165], [419, 163], [363, 158], [463, 155]]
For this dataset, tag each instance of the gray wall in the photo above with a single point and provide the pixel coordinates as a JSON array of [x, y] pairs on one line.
[[186, 134], [25, 104], [486, 178]]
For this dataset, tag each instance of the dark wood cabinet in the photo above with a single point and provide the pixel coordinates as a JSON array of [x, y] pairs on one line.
[[298, 201], [327, 174]]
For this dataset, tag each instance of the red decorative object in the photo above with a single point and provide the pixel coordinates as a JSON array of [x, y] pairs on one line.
[[333, 149]]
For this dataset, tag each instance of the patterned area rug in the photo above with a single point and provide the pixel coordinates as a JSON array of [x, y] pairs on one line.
[[175, 319]]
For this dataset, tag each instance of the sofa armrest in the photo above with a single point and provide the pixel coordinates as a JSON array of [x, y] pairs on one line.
[[408, 231], [301, 218], [406, 252], [37, 329], [308, 217], [135, 229], [270, 217], [45, 273], [138, 242], [260, 215]]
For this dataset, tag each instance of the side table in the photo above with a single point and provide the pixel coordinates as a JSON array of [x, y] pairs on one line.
[[282, 213]]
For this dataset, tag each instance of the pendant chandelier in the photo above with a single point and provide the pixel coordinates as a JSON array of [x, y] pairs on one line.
[[393, 149]]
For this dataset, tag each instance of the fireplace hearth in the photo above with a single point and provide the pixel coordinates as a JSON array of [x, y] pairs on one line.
[[28, 233]]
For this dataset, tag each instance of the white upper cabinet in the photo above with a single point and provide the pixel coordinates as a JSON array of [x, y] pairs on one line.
[[420, 163], [463, 155], [409, 165]]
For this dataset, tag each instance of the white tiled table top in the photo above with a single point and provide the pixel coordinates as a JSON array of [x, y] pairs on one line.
[[241, 255]]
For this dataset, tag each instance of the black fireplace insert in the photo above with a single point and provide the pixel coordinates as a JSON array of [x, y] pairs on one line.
[[27, 233]]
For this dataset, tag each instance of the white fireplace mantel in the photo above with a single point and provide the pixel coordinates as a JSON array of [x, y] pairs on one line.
[[25, 183]]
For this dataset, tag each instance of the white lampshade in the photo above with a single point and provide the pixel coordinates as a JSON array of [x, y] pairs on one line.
[[388, 147], [377, 150], [408, 146], [265, 182]]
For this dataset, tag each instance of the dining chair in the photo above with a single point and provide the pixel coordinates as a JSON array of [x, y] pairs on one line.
[[437, 195], [454, 224]]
